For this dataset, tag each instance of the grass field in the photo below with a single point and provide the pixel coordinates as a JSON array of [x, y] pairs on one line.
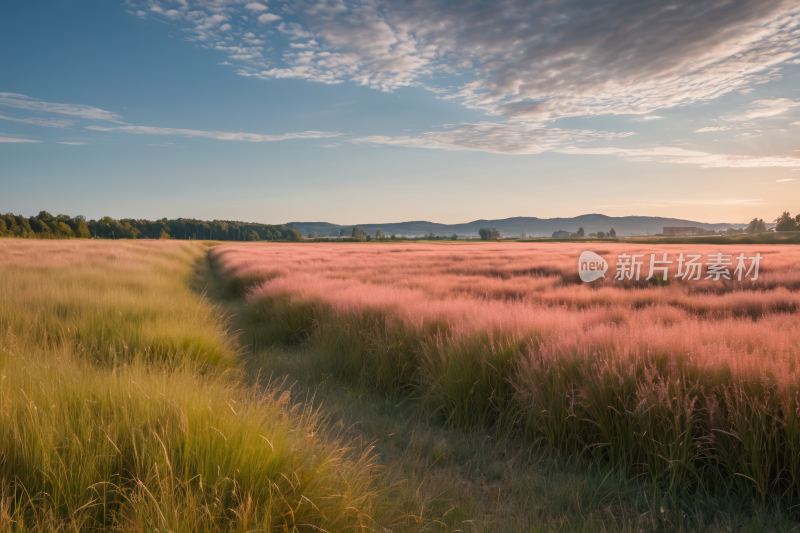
[[121, 407], [690, 385], [167, 386]]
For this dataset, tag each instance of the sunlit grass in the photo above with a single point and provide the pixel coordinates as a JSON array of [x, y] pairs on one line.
[[121, 409]]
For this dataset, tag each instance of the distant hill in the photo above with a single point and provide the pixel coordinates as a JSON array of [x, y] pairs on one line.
[[532, 226]]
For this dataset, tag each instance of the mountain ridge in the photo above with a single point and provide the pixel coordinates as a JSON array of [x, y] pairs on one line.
[[514, 226]]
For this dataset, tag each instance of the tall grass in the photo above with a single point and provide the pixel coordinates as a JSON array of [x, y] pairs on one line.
[[120, 408], [693, 385]]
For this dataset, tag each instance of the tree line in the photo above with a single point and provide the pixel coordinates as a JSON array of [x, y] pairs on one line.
[[46, 226], [785, 222]]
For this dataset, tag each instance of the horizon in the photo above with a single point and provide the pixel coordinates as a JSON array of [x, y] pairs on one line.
[[287, 110], [472, 221]]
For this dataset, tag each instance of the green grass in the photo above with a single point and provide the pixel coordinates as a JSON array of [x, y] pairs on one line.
[[121, 408]]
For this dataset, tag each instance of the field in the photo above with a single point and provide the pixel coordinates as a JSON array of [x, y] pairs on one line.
[[186, 386], [121, 407], [692, 385]]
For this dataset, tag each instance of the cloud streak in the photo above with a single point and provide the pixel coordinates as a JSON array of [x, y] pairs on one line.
[[47, 122], [495, 137], [667, 154], [219, 135], [20, 101], [524, 138], [763, 109], [17, 140]]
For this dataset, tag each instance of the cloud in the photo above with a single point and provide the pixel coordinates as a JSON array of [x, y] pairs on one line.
[[763, 109], [70, 143], [495, 137], [16, 140], [536, 60], [268, 17], [650, 118], [784, 180], [668, 154], [795, 124], [529, 59], [526, 138], [716, 128], [49, 123], [20, 101], [220, 135]]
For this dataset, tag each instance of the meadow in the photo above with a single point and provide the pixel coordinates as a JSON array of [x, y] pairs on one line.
[[188, 386], [691, 385], [122, 407]]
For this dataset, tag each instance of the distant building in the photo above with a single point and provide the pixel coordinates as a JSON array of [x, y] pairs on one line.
[[675, 230]]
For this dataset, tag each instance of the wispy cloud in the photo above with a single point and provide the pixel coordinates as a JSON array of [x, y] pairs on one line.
[[667, 154], [650, 118], [495, 137], [20, 101], [784, 180], [762, 109], [17, 140], [724, 127], [514, 137], [47, 122], [220, 135], [71, 143]]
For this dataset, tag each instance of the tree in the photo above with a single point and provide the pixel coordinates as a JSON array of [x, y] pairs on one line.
[[393, 237], [580, 232], [3, 228], [293, 234], [601, 235], [612, 233], [523, 234], [378, 234], [359, 234], [64, 231], [454, 237], [489, 233], [756, 225], [785, 222]]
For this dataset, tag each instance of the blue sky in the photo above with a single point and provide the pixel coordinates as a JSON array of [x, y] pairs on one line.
[[385, 111]]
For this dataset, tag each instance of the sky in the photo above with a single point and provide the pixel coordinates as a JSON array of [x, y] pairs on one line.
[[387, 111]]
